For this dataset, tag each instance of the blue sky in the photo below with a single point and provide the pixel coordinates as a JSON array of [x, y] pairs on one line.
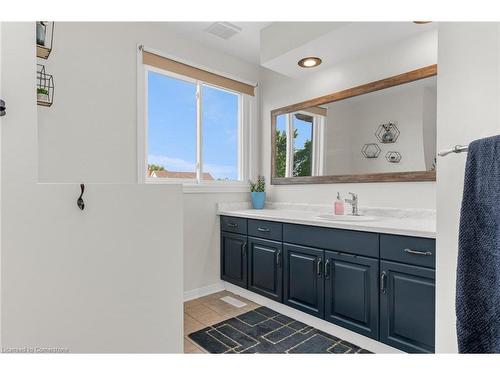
[[172, 127], [303, 130]]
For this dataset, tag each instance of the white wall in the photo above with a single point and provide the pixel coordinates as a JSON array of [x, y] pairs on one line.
[[357, 120], [468, 96], [430, 126], [105, 280], [278, 91], [93, 121], [102, 280], [201, 240]]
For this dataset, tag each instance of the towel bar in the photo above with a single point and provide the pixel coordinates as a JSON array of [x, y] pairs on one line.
[[456, 149]]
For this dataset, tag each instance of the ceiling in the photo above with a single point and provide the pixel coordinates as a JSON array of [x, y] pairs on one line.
[[341, 42], [279, 45], [244, 45]]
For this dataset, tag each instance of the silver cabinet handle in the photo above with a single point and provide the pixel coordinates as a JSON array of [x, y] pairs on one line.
[[327, 269], [318, 267], [244, 249], [416, 252], [278, 258], [382, 282], [265, 230], [232, 225]]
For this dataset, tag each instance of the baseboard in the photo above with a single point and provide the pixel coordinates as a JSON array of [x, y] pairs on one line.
[[342, 333], [204, 291]]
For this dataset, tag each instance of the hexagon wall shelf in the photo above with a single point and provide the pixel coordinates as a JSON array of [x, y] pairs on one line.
[[393, 157], [387, 133], [371, 150]]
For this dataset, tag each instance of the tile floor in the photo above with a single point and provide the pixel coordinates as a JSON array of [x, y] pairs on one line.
[[206, 311]]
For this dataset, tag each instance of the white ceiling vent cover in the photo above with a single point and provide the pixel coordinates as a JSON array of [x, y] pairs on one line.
[[224, 30]]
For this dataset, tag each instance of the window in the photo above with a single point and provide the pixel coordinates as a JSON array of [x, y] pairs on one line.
[[171, 127], [299, 149], [302, 145], [220, 119], [195, 130]]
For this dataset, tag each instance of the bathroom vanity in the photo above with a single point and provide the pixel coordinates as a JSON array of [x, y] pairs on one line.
[[374, 277]]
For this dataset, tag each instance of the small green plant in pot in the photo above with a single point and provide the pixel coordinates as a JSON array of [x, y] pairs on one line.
[[258, 193], [42, 94]]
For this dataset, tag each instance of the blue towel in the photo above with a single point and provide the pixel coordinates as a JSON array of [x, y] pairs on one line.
[[478, 271]]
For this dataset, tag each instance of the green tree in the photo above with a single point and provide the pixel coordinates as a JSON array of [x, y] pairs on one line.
[[302, 160], [280, 153], [156, 167]]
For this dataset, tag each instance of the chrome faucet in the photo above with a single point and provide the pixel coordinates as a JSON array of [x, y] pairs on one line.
[[354, 204]]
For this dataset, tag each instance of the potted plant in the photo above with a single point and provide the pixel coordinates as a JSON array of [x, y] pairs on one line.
[[258, 193], [42, 94]]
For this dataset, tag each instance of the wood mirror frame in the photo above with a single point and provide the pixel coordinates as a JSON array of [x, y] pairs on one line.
[[414, 75]]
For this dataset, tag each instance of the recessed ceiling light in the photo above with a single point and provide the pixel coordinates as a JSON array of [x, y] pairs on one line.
[[309, 62], [421, 22]]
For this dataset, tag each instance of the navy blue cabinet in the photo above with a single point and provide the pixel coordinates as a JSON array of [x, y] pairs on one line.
[[234, 258], [379, 285], [265, 265], [407, 303], [351, 292], [303, 279]]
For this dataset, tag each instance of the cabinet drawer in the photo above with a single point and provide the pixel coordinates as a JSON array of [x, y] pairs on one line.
[[410, 250], [233, 224], [346, 241], [265, 229]]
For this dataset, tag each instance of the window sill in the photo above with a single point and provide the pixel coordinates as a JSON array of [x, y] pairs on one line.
[[215, 188], [190, 187]]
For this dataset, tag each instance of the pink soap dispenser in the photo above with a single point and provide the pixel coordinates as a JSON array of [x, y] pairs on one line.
[[339, 205]]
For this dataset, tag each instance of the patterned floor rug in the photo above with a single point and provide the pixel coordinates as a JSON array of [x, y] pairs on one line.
[[265, 331]]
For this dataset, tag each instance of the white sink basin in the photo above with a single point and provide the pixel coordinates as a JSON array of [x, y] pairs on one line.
[[350, 218]]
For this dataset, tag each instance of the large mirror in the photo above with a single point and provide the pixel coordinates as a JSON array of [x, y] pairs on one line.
[[380, 131]]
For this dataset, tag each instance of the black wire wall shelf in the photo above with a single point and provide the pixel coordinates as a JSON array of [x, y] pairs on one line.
[[371, 150], [393, 157], [387, 133], [44, 87]]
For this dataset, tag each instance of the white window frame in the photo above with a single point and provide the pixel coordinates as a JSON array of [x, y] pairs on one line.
[[245, 137], [318, 154]]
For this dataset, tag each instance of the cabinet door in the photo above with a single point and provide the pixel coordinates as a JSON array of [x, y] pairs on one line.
[[351, 292], [303, 279], [407, 303], [265, 267], [233, 258]]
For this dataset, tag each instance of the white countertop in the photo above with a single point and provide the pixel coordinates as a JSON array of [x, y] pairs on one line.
[[418, 223]]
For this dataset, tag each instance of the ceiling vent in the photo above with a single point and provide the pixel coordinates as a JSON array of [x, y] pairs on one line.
[[224, 30]]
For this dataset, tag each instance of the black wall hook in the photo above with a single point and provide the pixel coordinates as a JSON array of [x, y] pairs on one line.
[[80, 203]]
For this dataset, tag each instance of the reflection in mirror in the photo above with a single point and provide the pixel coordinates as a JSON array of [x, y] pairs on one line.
[[298, 143], [380, 132]]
